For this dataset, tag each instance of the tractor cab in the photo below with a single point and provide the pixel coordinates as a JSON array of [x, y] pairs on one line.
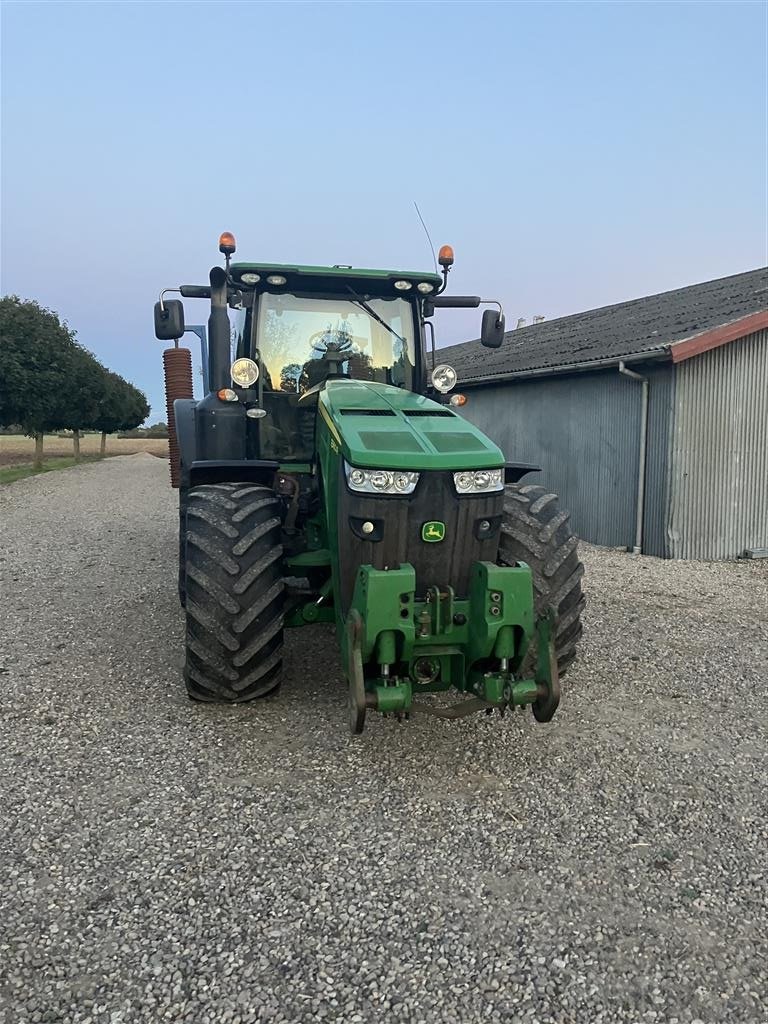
[[303, 326], [297, 328]]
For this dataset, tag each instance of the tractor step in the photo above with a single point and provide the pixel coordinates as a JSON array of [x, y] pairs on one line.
[[310, 559]]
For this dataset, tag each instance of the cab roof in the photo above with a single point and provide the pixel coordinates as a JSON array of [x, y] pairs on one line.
[[319, 279]]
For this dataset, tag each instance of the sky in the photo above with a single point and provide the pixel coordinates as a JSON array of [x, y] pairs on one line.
[[574, 154]]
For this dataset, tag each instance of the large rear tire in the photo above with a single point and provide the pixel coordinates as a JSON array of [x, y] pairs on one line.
[[535, 530], [182, 546], [234, 592]]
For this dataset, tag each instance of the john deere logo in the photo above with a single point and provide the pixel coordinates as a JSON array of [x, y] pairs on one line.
[[433, 532]]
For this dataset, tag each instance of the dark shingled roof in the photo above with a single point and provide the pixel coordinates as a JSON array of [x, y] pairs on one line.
[[628, 330]]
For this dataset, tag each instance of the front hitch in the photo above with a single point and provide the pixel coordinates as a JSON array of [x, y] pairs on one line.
[[477, 646]]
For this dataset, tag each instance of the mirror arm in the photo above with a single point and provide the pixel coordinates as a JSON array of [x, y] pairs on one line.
[[493, 302], [453, 302], [431, 326], [195, 291], [165, 292]]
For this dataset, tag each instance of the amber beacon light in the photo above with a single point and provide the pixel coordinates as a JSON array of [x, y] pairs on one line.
[[445, 256], [227, 243]]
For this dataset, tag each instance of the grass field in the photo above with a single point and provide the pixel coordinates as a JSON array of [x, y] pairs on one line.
[[16, 450]]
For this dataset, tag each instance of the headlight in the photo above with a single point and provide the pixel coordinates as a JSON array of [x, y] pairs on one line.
[[444, 378], [244, 372], [380, 481], [480, 481]]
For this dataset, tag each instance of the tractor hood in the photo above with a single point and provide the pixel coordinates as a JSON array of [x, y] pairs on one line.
[[385, 427]]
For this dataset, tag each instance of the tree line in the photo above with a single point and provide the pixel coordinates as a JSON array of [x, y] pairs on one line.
[[49, 382]]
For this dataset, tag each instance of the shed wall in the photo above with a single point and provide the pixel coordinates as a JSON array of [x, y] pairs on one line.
[[661, 407], [719, 479], [583, 430]]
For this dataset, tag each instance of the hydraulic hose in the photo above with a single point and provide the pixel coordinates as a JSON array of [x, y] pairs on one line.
[[177, 364]]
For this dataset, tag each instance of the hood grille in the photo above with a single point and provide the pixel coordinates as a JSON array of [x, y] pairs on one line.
[[428, 412], [366, 412]]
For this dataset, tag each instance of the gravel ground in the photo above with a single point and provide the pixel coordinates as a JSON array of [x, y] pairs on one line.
[[164, 861]]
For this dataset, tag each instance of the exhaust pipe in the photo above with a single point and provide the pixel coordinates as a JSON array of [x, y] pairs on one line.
[[218, 332]]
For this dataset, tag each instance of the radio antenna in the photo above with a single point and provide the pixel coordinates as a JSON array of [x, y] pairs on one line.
[[426, 232]]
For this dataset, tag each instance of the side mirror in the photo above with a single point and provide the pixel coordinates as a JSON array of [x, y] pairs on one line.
[[169, 320], [492, 333]]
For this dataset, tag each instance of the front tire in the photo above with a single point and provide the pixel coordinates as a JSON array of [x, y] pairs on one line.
[[535, 530], [234, 592]]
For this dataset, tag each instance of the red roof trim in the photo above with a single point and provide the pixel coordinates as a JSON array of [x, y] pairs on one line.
[[719, 336]]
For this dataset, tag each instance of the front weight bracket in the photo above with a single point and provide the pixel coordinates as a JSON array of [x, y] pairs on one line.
[[547, 676], [356, 703]]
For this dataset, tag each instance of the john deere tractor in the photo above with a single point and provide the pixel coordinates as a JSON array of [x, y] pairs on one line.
[[328, 476]]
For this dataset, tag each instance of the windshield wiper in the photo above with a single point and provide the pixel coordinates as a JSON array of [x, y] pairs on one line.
[[359, 301]]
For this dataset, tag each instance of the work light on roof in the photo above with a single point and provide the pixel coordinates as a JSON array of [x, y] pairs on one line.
[[425, 287], [250, 278], [403, 286], [276, 279]]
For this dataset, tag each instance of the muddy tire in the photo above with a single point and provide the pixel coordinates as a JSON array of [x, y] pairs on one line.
[[234, 593], [535, 530]]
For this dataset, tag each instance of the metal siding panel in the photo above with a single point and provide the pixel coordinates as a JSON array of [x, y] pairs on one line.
[[583, 431], [719, 492], [661, 404]]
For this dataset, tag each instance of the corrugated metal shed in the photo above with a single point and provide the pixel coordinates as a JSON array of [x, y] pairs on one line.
[[578, 435], [658, 479], [563, 405], [719, 478], [584, 432]]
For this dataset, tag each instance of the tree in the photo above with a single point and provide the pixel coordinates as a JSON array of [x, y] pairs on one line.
[[137, 408], [111, 405], [121, 407], [290, 376], [86, 381], [35, 350], [49, 382]]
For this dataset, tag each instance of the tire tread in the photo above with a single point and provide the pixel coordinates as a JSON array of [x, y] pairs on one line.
[[234, 592], [536, 530]]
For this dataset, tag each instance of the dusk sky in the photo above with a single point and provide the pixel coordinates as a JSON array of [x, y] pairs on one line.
[[574, 154]]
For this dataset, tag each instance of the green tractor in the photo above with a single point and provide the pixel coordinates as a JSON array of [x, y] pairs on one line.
[[327, 476]]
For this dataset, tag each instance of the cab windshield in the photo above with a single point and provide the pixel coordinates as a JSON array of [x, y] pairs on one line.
[[303, 341]]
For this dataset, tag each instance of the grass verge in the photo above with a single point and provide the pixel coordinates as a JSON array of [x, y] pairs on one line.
[[9, 474]]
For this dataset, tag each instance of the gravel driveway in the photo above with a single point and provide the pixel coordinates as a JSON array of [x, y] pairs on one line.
[[164, 861]]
